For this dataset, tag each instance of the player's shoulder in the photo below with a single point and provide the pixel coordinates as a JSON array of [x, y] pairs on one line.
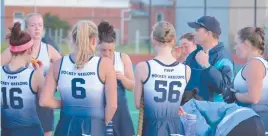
[[123, 55], [256, 63], [58, 63], [105, 61], [51, 49], [141, 65], [125, 58]]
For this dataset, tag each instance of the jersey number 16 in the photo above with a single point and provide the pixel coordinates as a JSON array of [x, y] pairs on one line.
[[16, 102]]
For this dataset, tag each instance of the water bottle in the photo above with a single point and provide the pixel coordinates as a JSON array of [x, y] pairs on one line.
[[190, 125]]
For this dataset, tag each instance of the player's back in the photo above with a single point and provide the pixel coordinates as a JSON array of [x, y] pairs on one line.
[[83, 100], [81, 90], [18, 103], [163, 90]]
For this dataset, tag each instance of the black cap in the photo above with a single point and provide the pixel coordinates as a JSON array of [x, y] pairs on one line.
[[207, 22]]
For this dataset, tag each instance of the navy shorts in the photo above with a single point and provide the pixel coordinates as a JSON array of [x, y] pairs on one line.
[[162, 127], [80, 126], [250, 127], [46, 117], [23, 131], [121, 123]]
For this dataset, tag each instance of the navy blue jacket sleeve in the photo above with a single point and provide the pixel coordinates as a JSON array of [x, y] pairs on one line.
[[219, 76]]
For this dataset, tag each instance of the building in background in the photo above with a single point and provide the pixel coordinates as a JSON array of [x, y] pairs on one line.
[[70, 11], [232, 15], [2, 21], [161, 10], [131, 18]]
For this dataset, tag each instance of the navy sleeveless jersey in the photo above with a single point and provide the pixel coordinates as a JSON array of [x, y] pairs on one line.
[[81, 90], [18, 99]]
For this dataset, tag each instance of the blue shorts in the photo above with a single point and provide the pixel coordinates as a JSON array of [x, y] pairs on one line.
[[121, 123], [46, 117], [23, 131], [262, 111], [77, 126], [162, 127]]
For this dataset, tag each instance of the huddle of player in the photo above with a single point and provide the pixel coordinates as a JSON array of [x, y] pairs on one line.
[[92, 104]]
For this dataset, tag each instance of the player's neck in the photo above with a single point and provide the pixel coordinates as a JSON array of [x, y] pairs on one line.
[[253, 54], [37, 42], [17, 62], [36, 45], [164, 53]]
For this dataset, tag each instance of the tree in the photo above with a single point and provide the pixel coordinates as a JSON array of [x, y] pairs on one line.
[[54, 22]]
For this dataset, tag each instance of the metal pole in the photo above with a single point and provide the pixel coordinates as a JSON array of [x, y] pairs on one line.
[[174, 10], [137, 50], [150, 26], [35, 6], [205, 7], [255, 13], [2, 21]]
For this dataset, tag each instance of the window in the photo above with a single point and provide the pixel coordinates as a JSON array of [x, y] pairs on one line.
[[159, 17], [19, 17]]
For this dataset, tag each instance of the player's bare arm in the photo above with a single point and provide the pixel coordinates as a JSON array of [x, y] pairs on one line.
[[38, 80], [53, 53], [188, 73], [108, 76], [254, 73], [47, 98], [141, 75], [128, 78], [5, 57]]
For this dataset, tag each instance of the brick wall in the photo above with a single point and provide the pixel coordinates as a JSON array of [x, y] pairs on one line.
[[72, 15]]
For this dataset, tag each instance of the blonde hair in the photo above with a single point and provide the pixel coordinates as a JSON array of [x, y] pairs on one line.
[[26, 19], [163, 32], [82, 34]]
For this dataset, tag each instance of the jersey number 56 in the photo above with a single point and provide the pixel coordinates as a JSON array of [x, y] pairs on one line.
[[161, 87]]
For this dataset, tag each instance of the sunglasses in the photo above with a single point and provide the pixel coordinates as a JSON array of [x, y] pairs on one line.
[[201, 24]]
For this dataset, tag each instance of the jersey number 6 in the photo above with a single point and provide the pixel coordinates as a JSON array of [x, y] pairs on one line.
[[173, 95], [78, 92]]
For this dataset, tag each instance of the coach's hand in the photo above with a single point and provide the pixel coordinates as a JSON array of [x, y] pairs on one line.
[[119, 75], [229, 95], [203, 59]]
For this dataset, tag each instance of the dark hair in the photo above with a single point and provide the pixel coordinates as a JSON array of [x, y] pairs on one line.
[[255, 35], [188, 95], [106, 32], [18, 37], [188, 36], [215, 36]]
